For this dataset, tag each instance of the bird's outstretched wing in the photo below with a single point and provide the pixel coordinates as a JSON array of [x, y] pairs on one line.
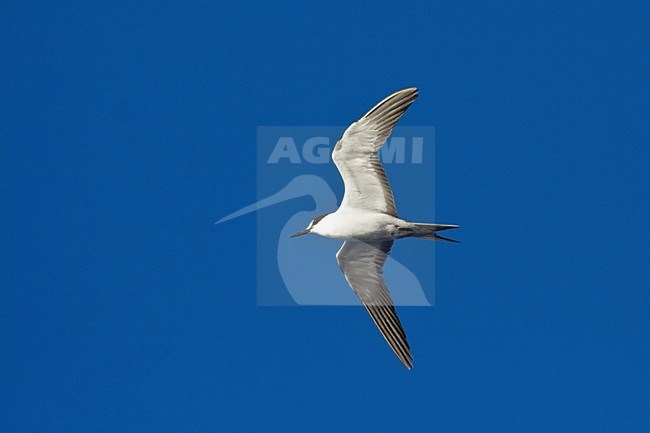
[[355, 154], [362, 264]]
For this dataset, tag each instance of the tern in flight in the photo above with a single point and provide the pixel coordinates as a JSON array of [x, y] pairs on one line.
[[367, 219]]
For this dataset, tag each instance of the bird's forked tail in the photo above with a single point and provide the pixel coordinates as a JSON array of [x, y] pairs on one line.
[[428, 231]]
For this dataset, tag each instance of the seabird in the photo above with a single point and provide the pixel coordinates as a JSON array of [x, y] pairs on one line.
[[367, 218]]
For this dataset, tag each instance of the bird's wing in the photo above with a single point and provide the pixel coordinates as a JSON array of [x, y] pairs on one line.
[[362, 264], [355, 154]]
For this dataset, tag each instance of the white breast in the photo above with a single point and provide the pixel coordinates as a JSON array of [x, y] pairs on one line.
[[350, 223]]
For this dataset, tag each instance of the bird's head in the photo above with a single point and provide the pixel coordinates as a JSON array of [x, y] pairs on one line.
[[311, 227]]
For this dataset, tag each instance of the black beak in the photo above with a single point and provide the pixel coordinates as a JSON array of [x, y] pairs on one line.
[[300, 233]]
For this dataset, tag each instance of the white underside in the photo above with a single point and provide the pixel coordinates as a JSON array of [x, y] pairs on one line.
[[350, 223]]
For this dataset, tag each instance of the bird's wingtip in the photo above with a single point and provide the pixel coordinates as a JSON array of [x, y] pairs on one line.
[[408, 362], [414, 90]]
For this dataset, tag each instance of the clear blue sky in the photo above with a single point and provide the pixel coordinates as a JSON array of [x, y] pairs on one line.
[[127, 129]]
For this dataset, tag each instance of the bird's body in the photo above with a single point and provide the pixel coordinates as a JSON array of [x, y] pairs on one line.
[[362, 224], [367, 218], [366, 225]]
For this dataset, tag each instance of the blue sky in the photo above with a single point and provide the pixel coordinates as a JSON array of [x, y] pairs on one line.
[[127, 129]]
